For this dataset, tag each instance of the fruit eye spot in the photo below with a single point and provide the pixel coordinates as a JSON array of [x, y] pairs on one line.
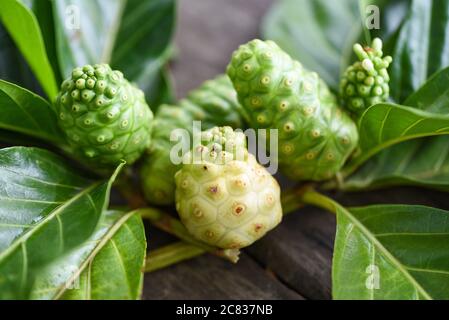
[[87, 122], [209, 234], [258, 227], [345, 140], [310, 155], [246, 68], [268, 54], [288, 82], [113, 146], [124, 97], [288, 127], [62, 116], [283, 105], [124, 123], [239, 209], [309, 111], [213, 189], [316, 133], [265, 80], [308, 87], [197, 213], [255, 101], [270, 199], [287, 148], [330, 156]]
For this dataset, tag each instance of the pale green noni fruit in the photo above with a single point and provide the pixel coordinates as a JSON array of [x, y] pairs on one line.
[[214, 103], [104, 117], [223, 196], [276, 92], [366, 81]]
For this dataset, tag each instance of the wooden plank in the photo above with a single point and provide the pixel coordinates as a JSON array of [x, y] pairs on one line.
[[208, 32], [208, 277], [299, 252]]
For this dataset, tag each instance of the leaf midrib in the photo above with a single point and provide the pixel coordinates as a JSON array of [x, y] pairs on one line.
[[90, 258], [43, 222], [366, 232]]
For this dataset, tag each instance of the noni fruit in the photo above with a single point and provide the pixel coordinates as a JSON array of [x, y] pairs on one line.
[[366, 81], [104, 117], [315, 137], [214, 104], [223, 196]]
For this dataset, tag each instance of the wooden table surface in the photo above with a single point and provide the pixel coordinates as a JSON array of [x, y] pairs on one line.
[[294, 260]]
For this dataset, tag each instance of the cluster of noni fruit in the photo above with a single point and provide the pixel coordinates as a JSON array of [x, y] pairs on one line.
[[224, 197]]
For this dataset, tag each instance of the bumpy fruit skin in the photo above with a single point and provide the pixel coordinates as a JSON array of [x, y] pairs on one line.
[[214, 104], [366, 81], [104, 117], [226, 199], [277, 92]]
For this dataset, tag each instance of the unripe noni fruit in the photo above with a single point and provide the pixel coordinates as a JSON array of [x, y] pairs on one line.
[[104, 117], [366, 81], [223, 196], [276, 92], [214, 103]]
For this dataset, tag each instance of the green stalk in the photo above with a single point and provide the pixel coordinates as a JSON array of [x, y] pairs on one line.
[[171, 254], [311, 197], [175, 227]]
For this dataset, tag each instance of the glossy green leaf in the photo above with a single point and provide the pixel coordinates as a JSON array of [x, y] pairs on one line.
[[423, 162], [107, 266], [317, 33], [86, 31], [13, 67], [43, 10], [391, 252], [384, 125], [27, 113], [143, 42], [24, 28], [46, 211]]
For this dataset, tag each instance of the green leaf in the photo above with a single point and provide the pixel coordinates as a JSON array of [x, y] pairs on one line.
[[46, 211], [107, 266], [86, 31], [27, 113], [384, 125], [391, 252], [143, 41], [43, 10], [24, 29], [316, 33], [409, 69], [423, 162], [13, 67]]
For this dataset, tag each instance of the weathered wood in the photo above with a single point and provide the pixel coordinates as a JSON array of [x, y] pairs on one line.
[[208, 32], [299, 252], [208, 277]]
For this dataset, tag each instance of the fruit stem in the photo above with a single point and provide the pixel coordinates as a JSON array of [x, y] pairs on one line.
[[175, 227], [311, 197], [171, 254]]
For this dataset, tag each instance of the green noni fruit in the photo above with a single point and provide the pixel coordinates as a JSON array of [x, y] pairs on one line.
[[214, 104], [104, 117], [223, 196], [276, 92], [366, 81]]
